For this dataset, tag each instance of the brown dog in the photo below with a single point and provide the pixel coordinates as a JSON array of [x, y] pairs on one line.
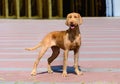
[[66, 40]]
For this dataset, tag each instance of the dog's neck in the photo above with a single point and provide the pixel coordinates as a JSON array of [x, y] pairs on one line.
[[72, 33]]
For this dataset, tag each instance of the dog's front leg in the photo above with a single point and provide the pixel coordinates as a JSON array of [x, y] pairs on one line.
[[76, 59], [64, 74]]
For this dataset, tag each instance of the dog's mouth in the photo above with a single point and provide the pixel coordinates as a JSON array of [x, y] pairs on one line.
[[72, 26]]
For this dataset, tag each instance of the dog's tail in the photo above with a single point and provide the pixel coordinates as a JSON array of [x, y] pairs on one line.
[[34, 48]]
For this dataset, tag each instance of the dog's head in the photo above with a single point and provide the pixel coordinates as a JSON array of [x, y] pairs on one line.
[[73, 20]]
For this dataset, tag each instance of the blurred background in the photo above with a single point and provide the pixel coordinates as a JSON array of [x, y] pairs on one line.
[[54, 9]]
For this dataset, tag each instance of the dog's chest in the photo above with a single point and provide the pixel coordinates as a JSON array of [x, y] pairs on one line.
[[74, 44]]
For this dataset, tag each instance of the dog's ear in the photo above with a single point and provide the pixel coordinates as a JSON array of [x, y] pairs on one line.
[[80, 19], [67, 20]]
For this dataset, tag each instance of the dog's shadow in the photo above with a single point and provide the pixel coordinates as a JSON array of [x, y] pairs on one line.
[[59, 69]]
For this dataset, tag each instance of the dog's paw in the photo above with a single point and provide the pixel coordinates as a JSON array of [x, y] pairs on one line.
[[64, 74], [50, 71], [33, 73], [78, 72]]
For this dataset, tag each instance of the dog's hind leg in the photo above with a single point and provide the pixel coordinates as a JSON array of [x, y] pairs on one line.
[[56, 51], [42, 52]]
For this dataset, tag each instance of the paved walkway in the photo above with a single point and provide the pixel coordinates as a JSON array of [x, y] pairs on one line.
[[99, 54]]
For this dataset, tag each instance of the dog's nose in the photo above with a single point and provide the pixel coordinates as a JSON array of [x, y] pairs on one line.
[[71, 23]]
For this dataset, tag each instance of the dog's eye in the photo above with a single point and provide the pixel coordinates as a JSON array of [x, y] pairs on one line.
[[70, 16], [75, 16]]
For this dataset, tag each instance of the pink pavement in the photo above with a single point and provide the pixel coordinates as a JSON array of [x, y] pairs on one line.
[[99, 57]]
